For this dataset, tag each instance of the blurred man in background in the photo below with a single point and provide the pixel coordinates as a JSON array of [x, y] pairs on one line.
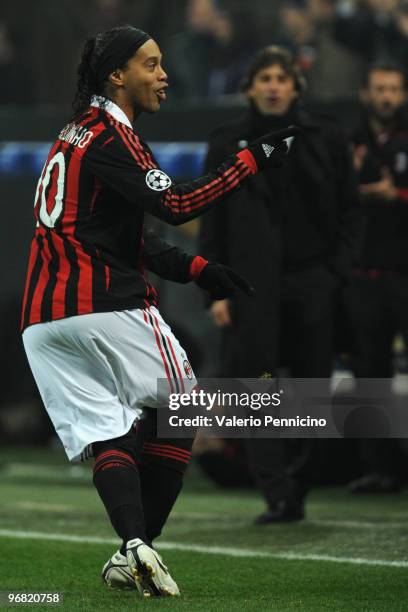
[[377, 298], [207, 58], [308, 29], [296, 239], [375, 30]]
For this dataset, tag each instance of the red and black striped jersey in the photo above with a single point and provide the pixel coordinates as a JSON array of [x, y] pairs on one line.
[[88, 251]]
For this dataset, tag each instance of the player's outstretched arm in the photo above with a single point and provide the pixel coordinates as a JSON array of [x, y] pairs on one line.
[[128, 168]]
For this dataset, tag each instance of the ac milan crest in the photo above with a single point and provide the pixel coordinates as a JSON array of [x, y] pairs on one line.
[[188, 369]]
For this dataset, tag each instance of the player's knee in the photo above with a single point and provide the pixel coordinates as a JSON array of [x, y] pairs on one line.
[[117, 452], [172, 455]]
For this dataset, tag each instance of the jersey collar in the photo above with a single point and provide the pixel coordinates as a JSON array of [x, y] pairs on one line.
[[111, 108]]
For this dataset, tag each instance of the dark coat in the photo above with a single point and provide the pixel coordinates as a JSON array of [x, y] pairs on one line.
[[246, 233], [385, 246]]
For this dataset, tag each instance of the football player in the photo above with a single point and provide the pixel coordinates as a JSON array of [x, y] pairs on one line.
[[93, 334]]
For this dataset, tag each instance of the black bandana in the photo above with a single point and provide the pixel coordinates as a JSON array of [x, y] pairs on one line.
[[118, 52]]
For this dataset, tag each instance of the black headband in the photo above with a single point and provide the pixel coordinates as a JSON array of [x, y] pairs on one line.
[[117, 53]]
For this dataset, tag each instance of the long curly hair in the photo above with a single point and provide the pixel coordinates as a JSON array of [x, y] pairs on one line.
[[87, 84]]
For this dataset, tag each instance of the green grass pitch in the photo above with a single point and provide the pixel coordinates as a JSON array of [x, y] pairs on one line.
[[224, 562]]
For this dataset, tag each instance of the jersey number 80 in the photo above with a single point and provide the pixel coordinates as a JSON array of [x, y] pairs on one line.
[[49, 216]]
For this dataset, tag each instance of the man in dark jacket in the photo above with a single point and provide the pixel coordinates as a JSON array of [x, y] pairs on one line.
[[296, 242], [377, 298]]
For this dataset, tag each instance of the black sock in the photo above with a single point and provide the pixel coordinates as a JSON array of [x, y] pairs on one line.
[[116, 478], [161, 469], [160, 489]]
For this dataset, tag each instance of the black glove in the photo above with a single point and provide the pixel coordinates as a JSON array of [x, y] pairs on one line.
[[269, 150], [220, 281]]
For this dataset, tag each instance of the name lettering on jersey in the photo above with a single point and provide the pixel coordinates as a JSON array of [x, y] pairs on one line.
[[77, 135]]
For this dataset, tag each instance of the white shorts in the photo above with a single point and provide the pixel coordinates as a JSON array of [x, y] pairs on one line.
[[97, 372]]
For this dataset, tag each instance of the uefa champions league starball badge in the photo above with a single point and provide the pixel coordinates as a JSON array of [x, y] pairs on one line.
[[158, 180]]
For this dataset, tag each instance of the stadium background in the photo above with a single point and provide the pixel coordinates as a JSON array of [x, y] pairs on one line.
[[206, 46]]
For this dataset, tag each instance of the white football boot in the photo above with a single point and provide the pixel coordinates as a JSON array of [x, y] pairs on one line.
[[151, 576], [116, 572]]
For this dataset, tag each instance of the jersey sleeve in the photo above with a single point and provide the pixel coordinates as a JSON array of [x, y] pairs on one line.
[[166, 260], [123, 164]]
